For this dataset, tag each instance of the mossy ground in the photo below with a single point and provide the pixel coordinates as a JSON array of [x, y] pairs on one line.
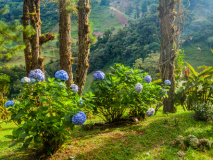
[[149, 139]]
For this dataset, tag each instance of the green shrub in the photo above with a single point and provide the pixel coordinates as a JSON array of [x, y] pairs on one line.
[[203, 112], [195, 86], [43, 114], [116, 93]]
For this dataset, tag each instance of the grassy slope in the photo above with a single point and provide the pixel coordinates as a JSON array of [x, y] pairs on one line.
[[198, 57], [154, 135]]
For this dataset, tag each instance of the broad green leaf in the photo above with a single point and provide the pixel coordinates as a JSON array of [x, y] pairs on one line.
[[206, 71], [157, 81], [192, 69]]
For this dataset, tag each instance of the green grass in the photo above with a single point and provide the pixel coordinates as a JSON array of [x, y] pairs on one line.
[[197, 57], [129, 142], [102, 18]]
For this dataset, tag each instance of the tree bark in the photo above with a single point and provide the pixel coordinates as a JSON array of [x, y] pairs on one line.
[[83, 44], [27, 52], [167, 56], [35, 23], [65, 40]]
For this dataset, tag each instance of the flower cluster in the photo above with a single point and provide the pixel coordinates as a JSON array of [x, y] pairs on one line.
[[9, 103], [98, 75], [32, 80], [37, 74], [167, 82], [74, 88], [79, 118], [138, 87], [81, 101], [148, 79], [150, 112], [62, 75], [163, 91], [25, 80]]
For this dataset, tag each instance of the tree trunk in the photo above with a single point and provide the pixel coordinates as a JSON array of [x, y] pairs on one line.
[[35, 23], [83, 44], [27, 52], [167, 56], [65, 40], [40, 59]]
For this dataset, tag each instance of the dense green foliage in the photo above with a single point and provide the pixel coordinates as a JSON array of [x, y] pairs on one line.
[[133, 42], [203, 112], [196, 86], [43, 113]]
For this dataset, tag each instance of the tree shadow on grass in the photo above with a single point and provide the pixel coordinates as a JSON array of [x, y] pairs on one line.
[[136, 140]]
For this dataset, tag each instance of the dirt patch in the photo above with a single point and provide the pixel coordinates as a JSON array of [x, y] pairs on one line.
[[121, 18]]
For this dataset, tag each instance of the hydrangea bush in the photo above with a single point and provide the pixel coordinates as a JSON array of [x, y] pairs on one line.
[[44, 113], [124, 89]]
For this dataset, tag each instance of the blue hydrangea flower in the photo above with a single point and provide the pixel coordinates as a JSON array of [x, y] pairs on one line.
[[25, 80], [79, 118], [98, 75], [150, 112], [81, 101], [37, 74], [138, 87], [163, 91], [9, 103], [62, 75], [32, 80], [74, 88], [167, 82], [148, 79]]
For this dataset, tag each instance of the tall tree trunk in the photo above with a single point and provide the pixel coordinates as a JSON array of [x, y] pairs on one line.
[[168, 54], [40, 59], [27, 52], [65, 40], [35, 23], [83, 44]]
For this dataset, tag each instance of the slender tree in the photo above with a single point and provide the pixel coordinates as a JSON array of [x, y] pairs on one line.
[[83, 44], [27, 50], [34, 40], [168, 53], [65, 40]]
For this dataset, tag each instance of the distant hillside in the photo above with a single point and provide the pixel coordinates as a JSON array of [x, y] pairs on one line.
[[101, 16]]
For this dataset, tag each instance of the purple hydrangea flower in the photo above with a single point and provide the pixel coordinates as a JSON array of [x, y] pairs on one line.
[[74, 88], [9, 103], [163, 91], [81, 101], [150, 112], [32, 80], [62, 75], [79, 118], [37, 74], [167, 82], [138, 87], [98, 75], [25, 80], [148, 79]]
